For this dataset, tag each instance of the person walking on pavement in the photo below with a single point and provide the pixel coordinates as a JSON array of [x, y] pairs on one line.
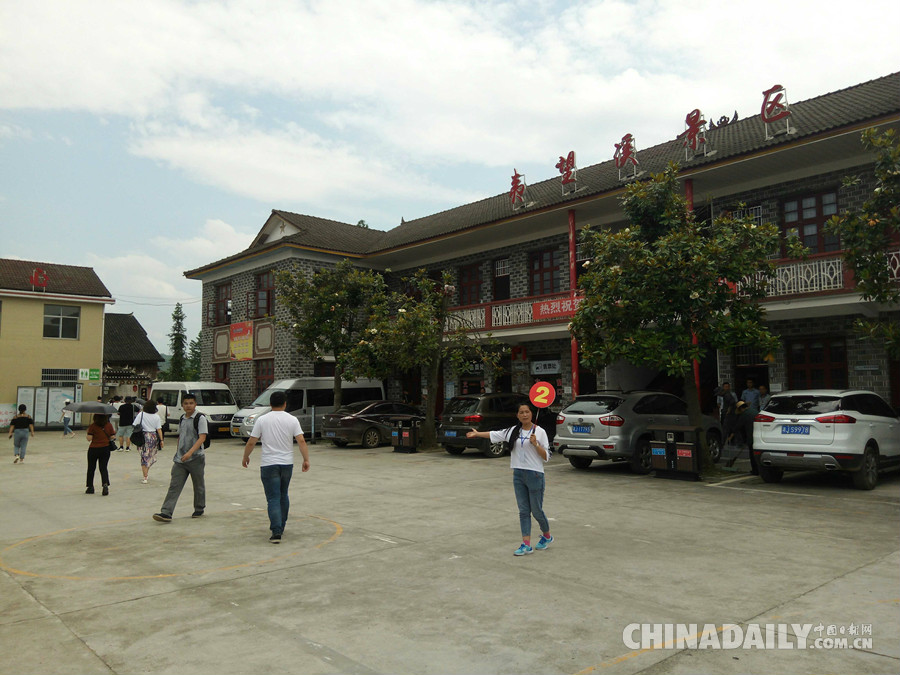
[[66, 418], [529, 450], [277, 432], [19, 428], [126, 424], [100, 434], [147, 421], [189, 460], [750, 396]]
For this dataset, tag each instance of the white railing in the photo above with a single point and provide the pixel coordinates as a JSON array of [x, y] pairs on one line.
[[512, 314], [894, 264], [808, 276], [470, 319]]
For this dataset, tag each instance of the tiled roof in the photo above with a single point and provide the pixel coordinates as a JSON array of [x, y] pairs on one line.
[[854, 105], [125, 341], [16, 275]]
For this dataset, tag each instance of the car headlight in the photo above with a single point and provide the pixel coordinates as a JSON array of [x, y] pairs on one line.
[[250, 418]]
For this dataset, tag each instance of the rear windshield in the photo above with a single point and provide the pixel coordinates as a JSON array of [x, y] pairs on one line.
[[461, 406], [213, 396], [593, 405], [355, 407], [803, 405]]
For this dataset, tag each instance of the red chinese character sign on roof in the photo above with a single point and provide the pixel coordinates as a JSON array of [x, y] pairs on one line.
[[625, 152], [39, 278], [694, 135], [566, 166], [775, 107], [518, 191]]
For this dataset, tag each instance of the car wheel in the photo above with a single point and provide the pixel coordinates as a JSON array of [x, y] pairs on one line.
[[641, 461], [866, 478], [494, 450], [338, 443], [770, 475], [714, 443], [371, 438], [454, 449], [580, 462]]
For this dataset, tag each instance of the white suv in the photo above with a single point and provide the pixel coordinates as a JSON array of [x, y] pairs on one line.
[[827, 430]]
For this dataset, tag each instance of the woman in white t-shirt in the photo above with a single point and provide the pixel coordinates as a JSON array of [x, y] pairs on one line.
[[529, 449], [148, 421]]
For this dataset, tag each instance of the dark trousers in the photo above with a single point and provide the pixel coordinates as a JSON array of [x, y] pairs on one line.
[[95, 456]]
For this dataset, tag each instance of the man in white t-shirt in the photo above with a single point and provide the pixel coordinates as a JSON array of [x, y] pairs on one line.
[[277, 432]]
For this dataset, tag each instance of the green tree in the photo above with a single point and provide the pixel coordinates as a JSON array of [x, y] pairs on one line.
[[416, 328], [178, 344], [330, 312], [659, 289], [868, 232], [192, 369]]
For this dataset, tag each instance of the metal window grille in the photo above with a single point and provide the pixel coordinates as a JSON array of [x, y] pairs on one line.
[[59, 377], [754, 212], [501, 267], [748, 356]]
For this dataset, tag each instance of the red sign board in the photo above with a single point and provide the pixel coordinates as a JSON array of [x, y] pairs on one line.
[[542, 394], [554, 309], [684, 452]]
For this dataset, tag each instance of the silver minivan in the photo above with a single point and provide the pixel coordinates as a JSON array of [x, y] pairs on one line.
[[303, 396], [214, 400]]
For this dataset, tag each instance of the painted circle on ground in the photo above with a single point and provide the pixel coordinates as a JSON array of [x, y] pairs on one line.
[[85, 546], [542, 394]]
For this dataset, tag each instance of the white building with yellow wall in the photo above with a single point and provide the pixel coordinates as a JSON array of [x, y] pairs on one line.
[[51, 329]]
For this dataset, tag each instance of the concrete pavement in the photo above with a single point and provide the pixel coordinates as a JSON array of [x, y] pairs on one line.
[[396, 563]]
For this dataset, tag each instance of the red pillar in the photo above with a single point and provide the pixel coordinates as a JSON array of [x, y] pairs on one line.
[[689, 195], [573, 282]]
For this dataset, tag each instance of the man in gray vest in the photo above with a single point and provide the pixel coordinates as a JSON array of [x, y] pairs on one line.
[[189, 460]]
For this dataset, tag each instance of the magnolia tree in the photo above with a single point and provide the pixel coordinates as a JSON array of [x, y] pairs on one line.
[[331, 311], [417, 329], [867, 235], [658, 290]]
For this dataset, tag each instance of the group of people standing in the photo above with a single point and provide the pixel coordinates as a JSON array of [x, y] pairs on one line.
[[736, 414]]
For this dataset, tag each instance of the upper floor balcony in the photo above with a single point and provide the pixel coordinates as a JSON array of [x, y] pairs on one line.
[[805, 287]]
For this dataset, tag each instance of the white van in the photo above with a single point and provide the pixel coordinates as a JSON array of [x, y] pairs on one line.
[[214, 400], [302, 396]]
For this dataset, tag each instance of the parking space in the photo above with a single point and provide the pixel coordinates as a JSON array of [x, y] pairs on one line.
[[403, 564]]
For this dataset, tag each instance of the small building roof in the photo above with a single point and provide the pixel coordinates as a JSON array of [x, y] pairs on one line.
[[21, 275], [125, 341]]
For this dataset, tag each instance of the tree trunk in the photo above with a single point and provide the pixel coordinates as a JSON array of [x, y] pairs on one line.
[[695, 418], [429, 435], [338, 392]]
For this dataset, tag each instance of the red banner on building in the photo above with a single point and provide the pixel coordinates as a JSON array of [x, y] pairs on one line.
[[242, 341], [555, 309]]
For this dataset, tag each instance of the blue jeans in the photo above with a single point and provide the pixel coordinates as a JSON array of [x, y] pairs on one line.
[[66, 428], [20, 441], [529, 486], [276, 479]]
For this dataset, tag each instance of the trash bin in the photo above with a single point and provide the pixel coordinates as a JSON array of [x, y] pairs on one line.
[[675, 452], [405, 435]]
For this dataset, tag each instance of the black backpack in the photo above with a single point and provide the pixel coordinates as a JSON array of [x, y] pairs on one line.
[[197, 428]]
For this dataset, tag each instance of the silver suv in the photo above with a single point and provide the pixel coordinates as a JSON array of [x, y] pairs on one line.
[[613, 426]]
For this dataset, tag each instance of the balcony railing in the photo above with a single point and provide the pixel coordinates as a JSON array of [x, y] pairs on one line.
[[799, 277]]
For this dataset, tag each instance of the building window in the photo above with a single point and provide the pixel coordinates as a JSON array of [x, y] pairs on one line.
[[543, 272], [805, 218], [220, 373], [501, 279], [470, 285], [817, 364], [59, 377], [324, 369], [264, 375], [262, 300], [218, 312], [61, 321]]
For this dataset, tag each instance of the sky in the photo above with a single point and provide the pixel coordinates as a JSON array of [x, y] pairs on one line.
[[146, 138]]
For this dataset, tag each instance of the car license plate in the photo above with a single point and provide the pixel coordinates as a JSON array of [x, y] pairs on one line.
[[581, 429], [795, 429], [450, 433], [235, 430], [329, 434], [223, 430]]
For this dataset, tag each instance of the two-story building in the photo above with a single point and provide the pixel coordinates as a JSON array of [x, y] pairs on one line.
[[515, 256], [51, 333]]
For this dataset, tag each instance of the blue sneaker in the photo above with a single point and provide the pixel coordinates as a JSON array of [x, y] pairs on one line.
[[524, 549], [544, 543]]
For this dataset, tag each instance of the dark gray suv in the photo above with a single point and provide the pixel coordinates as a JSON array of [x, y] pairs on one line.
[[614, 426], [484, 412]]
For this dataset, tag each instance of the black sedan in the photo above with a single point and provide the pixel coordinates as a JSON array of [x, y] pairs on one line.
[[368, 423]]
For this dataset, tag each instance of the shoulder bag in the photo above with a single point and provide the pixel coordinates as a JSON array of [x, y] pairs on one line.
[[137, 435]]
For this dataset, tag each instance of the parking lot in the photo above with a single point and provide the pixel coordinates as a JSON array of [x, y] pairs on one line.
[[395, 563]]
